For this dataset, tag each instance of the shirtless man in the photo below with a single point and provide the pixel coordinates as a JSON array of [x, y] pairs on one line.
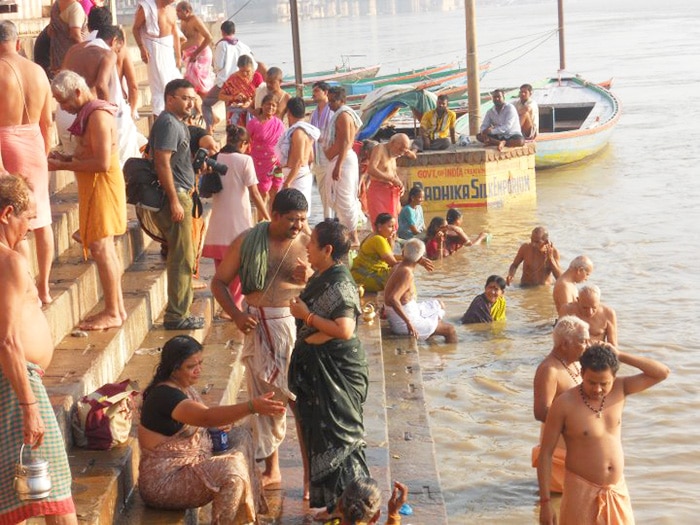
[[405, 314], [565, 291], [528, 112], [343, 184], [25, 131], [101, 192], [196, 51], [540, 260], [600, 317], [26, 349], [95, 64], [556, 374], [273, 85], [127, 74], [296, 149], [589, 418], [268, 280], [385, 186], [156, 35]]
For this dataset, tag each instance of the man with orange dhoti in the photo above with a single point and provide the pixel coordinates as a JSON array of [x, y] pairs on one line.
[[556, 374], [385, 187], [589, 417], [101, 192]]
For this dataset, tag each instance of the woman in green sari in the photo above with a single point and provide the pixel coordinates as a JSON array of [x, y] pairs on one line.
[[328, 370]]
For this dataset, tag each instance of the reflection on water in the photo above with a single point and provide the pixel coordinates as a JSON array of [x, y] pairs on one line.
[[634, 210]]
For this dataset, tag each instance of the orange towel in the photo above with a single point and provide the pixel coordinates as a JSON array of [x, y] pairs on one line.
[[556, 484], [585, 503], [102, 203]]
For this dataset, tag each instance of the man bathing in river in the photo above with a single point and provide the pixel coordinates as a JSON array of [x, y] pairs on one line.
[[589, 418], [540, 260], [565, 291], [556, 374], [600, 317]]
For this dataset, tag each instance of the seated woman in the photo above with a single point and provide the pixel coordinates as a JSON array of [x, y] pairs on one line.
[[328, 371], [238, 92], [455, 236], [375, 257], [411, 222], [489, 306], [178, 469], [406, 316], [361, 499]]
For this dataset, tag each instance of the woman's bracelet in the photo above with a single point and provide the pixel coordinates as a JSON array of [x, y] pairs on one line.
[[393, 519], [309, 319], [251, 407], [27, 404], [545, 500]]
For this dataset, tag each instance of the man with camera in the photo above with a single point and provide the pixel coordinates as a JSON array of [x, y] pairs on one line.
[[169, 144]]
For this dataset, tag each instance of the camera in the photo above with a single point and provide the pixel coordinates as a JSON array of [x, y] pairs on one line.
[[201, 158]]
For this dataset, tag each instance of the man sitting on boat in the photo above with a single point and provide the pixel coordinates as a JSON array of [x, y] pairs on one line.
[[528, 112], [437, 127], [501, 125]]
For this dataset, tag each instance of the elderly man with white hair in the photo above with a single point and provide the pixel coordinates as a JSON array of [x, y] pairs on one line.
[[600, 317], [406, 315], [565, 290], [558, 372]]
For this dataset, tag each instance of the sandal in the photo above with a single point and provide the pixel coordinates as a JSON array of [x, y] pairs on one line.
[[188, 323]]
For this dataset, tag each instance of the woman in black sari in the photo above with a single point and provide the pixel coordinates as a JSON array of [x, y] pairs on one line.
[[328, 370]]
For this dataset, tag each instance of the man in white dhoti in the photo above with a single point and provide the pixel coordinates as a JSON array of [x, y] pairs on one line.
[[343, 176], [156, 34]]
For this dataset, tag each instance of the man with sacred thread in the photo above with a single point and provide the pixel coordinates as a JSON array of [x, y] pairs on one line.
[[589, 417]]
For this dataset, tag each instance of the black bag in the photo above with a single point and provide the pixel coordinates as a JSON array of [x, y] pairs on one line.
[[142, 187], [210, 183]]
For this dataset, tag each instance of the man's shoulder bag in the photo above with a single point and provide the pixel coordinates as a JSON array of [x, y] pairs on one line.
[[143, 189]]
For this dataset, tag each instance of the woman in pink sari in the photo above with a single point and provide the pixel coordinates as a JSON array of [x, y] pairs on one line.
[[265, 130], [238, 92]]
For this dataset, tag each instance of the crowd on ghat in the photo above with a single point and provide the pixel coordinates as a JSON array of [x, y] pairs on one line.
[[284, 284]]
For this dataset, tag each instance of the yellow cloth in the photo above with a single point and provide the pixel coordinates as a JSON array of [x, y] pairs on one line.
[[556, 482], [102, 203], [585, 503], [438, 127], [498, 309], [368, 268]]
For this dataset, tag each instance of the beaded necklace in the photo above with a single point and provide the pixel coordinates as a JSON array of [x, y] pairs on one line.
[[597, 412], [566, 366]]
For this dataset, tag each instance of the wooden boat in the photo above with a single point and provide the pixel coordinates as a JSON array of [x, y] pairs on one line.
[[339, 74], [576, 119]]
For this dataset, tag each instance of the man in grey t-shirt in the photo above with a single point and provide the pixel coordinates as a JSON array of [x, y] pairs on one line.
[[169, 144]]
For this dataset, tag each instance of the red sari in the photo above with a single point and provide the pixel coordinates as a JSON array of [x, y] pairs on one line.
[[242, 91]]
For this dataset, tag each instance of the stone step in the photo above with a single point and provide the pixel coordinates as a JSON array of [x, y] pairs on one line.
[[411, 445]]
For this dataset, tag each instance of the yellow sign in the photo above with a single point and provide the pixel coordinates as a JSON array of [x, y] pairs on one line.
[[468, 185]]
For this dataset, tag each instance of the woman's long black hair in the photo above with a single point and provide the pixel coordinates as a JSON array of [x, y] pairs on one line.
[[175, 352]]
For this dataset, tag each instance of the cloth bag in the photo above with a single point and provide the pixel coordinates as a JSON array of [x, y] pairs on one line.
[[103, 418]]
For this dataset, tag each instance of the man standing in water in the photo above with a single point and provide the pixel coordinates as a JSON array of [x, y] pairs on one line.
[[342, 180], [270, 260], [589, 418], [557, 373], [540, 260], [565, 291], [26, 349], [600, 317]]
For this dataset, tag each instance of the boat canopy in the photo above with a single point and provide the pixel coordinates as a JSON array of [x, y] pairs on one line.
[[382, 103]]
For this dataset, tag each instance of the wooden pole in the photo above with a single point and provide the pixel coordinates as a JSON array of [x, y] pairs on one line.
[[294, 14], [562, 47], [472, 68]]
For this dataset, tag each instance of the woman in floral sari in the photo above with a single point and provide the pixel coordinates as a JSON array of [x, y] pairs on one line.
[[178, 469], [328, 370], [238, 92], [265, 131]]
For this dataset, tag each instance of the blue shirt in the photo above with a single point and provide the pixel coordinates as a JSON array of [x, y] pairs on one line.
[[410, 217]]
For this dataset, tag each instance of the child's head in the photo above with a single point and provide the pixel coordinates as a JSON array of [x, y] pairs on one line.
[[454, 216], [415, 196]]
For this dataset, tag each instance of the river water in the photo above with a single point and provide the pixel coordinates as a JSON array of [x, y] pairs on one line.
[[633, 210]]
